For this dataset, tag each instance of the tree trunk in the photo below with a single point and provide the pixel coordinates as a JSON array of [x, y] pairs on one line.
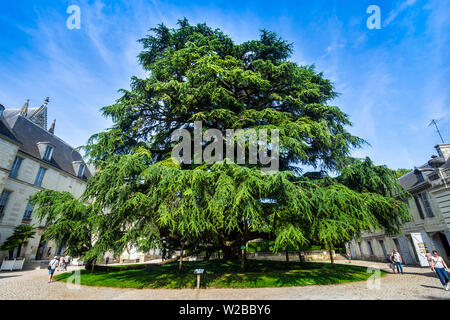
[[242, 260], [331, 256], [287, 255], [191, 253], [300, 257], [90, 264], [181, 257], [231, 253], [208, 254]]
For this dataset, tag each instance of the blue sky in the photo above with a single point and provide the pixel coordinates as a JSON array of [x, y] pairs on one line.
[[392, 81]]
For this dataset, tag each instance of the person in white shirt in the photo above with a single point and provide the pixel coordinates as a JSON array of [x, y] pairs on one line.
[[52, 265], [66, 262], [61, 263], [397, 261], [440, 268]]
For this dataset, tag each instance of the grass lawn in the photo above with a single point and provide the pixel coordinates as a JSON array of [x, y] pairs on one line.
[[220, 274]]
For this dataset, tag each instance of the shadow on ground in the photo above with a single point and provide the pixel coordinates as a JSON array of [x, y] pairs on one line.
[[4, 277]]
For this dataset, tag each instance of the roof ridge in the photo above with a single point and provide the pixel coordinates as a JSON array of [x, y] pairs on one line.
[[38, 110], [51, 134]]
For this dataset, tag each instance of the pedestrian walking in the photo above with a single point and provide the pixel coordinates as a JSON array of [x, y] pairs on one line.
[[67, 260], [429, 258], [106, 260], [390, 262], [397, 259], [52, 265], [61, 263], [440, 268], [348, 255]]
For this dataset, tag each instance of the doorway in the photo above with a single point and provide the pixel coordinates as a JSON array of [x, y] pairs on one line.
[[412, 249], [396, 244], [41, 250], [383, 247], [441, 244]]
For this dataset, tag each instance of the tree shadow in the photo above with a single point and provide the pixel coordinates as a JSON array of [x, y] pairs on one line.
[[3, 277], [432, 287], [428, 274], [435, 298]]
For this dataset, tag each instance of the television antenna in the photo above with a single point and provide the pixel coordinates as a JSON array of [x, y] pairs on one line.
[[434, 121]]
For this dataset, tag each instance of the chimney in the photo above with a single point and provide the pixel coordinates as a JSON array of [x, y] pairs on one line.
[[24, 109], [443, 150], [52, 127]]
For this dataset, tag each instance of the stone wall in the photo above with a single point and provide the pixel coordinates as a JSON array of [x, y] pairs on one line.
[[309, 256], [22, 188]]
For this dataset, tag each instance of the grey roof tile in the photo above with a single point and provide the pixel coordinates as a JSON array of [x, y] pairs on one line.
[[6, 131], [29, 134]]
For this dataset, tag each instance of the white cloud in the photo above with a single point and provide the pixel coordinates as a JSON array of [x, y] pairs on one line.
[[395, 12]]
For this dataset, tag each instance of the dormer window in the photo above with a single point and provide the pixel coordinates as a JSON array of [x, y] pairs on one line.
[[48, 153], [81, 171], [79, 167], [46, 150]]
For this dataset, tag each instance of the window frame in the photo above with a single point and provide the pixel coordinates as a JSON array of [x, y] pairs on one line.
[[427, 204], [419, 207], [30, 209], [40, 177], [15, 167], [369, 245], [48, 153], [81, 170], [382, 246], [4, 201]]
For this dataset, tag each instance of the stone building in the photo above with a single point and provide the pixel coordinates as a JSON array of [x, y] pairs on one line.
[[33, 158], [429, 206]]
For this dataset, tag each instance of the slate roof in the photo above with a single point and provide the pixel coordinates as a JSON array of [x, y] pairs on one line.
[[29, 134], [32, 113], [6, 131], [411, 180]]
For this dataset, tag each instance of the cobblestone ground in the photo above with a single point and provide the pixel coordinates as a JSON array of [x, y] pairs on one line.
[[416, 283]]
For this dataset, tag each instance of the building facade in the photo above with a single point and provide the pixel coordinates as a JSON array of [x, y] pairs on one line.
[[429, 206], [33, 158]]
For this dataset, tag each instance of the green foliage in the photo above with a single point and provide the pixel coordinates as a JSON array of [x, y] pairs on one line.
[[364, 176], [68, 220], [140, 198], [21, 234], [200, 74]]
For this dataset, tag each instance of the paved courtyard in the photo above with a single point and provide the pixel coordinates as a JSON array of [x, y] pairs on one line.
[[416, 283]]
